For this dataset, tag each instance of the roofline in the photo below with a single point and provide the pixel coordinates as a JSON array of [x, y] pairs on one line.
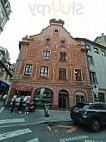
[[87, 40]]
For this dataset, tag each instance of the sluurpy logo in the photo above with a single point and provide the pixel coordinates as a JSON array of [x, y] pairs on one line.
[[56, 8]]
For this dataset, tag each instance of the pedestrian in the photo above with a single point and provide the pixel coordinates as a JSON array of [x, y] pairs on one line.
[[20, 104], [4, 98], [28, 100], [13, 104]]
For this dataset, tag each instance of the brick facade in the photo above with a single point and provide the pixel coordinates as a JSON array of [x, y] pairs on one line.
[[31, 52]]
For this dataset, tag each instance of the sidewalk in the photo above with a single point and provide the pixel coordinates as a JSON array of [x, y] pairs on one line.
[[37, 116]]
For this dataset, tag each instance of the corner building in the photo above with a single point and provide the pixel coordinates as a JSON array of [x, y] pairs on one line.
[[52, 66]]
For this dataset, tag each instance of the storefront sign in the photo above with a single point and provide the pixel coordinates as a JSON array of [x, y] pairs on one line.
[[3, 84]]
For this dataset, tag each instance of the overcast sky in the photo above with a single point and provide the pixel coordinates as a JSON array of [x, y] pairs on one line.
[[83, 19]]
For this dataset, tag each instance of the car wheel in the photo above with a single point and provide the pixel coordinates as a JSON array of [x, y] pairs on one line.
[[95, 125]]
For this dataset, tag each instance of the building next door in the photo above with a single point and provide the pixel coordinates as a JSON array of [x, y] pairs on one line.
[[63, 100]]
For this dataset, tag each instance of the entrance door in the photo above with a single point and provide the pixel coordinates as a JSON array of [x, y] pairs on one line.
[[63, 99]]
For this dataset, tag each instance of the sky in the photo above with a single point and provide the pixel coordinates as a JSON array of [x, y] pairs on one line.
[[83, 19]]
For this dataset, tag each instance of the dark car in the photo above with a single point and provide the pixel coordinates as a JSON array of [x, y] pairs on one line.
[[91, 114]]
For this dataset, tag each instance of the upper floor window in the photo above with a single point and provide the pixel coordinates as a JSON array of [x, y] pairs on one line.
[[47, 41], [62, 43], [56, 30], [103, 52], [46, 54], [96, 50], [78, 75], [88, 47], [92, 77], [44, 71], [62, 73], [28, 70], [1, 16], [62, 56], [90, 60]]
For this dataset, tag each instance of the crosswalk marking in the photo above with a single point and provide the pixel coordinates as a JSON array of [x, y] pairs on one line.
[[14, 133], [15, 120], [1, 109], [33, 140]]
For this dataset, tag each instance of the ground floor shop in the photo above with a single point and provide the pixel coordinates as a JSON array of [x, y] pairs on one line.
[[56, 96], [3, 89]]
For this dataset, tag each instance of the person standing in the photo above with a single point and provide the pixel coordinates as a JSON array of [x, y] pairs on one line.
[[20, 104], [13, 104], [28, 100]]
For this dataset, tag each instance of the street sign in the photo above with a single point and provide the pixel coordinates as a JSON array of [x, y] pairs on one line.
[[95, 88]]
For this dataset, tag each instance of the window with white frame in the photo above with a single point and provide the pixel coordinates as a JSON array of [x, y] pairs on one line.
[[78, 74], [46, 54], [28, 70], [44, 71]]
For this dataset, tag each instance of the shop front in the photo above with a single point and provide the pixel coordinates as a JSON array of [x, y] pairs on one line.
[[3, 89]]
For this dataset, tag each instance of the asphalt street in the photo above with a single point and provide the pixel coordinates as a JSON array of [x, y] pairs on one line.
[[24, 128]]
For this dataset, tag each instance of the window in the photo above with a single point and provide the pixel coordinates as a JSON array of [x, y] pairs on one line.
[[56, 30], [28, 70], [101, 97], [96, 50], [90, 60], [78, 75], [62, 73], [1, 16], [98, 106], [88, 47], [93, 77], [44, 71], [62, 43], [103, 53], [47, 41], [62, 56], [46, 54], [79, 98]]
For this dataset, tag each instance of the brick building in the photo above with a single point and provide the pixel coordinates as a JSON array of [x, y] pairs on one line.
[[52, 66]]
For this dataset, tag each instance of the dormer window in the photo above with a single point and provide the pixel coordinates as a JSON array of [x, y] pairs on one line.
[[47, 41], [56, 30]]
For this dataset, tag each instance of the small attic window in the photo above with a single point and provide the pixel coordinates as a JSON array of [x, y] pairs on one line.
[[56, 30]]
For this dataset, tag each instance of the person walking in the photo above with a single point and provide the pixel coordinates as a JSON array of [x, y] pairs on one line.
[[13, 104], [20, 104], [28, 100]]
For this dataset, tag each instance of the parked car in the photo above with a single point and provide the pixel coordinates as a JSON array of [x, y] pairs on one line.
[[91, 114]]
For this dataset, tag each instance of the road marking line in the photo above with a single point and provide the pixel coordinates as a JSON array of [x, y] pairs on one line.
[[15, 120], [33, 140], [49, 128], [1, 109], [14, 133], [74, 138], [72, 128]]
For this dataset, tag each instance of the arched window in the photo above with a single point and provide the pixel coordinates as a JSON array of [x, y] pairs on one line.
[[79, 96]]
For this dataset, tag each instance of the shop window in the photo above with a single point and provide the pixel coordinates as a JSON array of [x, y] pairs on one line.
[[46, 54], [79, 98], [44, 71], [92, 77], [47, 41], [90, 60], [62, 56], [62, 73], [78, 75], [28, 70], [62, 43]]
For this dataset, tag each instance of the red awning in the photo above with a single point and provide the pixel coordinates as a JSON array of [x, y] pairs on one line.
[[21, 88]]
